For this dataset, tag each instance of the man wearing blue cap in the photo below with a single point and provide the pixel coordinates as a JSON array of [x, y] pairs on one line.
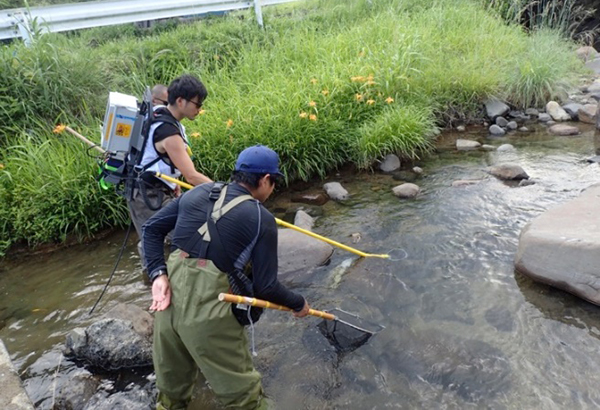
[[218, 229]]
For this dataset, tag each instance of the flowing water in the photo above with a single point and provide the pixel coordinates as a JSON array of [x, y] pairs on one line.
[[462, 328]]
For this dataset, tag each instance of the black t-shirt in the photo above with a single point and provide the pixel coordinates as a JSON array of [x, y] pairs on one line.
[[237, 229]]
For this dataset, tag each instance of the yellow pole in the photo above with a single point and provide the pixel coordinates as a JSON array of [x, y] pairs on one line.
[[279, 221], [291, 226]]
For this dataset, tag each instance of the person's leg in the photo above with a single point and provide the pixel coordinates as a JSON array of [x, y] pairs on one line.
[[219, 344]]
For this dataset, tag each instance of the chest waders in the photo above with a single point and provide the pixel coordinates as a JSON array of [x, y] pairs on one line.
[[199, 331]]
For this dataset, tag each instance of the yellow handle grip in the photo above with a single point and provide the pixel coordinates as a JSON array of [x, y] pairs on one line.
[[245, 300]]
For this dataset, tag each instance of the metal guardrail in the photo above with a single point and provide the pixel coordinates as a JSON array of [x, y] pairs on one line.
[[15, 23]]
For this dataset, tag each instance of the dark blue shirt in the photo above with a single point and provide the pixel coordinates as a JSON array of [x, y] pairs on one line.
[[237, 229]]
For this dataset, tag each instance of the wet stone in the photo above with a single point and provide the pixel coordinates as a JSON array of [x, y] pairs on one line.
[[500, 318], [315, 198], [563, 130]]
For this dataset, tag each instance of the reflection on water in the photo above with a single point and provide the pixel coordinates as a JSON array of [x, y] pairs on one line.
[[462, 329]]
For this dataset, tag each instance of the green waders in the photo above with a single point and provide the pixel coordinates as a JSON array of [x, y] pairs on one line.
[[199, 331]]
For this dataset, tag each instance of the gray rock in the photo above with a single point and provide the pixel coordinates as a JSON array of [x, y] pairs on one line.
[[587, 113], [142, 321], [462, 144], [508, 172], [78, 391], [497, 130], [134, 399], [543, 117], [304, 220], [532, 111], [501, 122], [417, 170], [595, 159], [526, 182], [594, 87], [488, 147], [297, 251], [563, 129], [572, 109], [586, 53], [111, 344], [407, 190], [390, 163], [12, 393], [556, 112], [311, 198], [524, 129], [465, 182], [594, 65], [561, 247], [512, 125], [335, 191], [551, 122], [495, 108], [461, 128], [506, 147]]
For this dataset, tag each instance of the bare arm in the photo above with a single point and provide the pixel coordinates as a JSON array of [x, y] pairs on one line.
[[174, 147]]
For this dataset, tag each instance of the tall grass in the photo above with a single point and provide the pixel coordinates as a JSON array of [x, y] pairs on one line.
[[328, 82], [565, 16]]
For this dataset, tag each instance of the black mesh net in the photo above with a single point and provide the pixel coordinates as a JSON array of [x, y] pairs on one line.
[[348, 332]]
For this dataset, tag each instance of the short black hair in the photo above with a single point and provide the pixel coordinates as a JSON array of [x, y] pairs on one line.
[[251, 178], [187, 87]]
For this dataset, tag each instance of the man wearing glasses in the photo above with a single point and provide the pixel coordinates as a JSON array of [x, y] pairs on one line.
[[192, 328], [167, 151]]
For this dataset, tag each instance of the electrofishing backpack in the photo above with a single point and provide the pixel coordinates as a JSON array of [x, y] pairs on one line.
[[124, 138]]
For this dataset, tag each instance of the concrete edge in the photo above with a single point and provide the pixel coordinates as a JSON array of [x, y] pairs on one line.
[[12, 393]]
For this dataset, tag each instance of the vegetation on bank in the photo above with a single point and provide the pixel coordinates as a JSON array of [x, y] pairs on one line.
[[328, 82]]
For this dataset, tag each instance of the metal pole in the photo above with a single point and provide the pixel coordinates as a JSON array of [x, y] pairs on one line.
[[258, 10], [24, 27]]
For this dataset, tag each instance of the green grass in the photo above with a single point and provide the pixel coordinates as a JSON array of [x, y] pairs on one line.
[[327, 82]]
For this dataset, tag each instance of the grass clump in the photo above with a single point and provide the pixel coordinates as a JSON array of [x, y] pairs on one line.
[[326, 83]]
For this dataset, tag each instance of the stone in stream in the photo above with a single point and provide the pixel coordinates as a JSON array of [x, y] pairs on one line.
[[508, 172], [563, 130], [506, 147], [543, 117], [407, 190], [496, 130], [133, 399], [311, 198], [298, 252], [336, 191], [462, 144], [561, 247], [587, 113], [556, 112], [572, 109], [110, 344]]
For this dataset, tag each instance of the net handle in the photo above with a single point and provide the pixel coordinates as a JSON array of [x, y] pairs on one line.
[[245, 300]]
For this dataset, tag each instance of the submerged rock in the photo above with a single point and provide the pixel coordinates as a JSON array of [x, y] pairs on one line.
[[563, 130], [561, 247], [462, 144], [297, 251], [407, 190], [508, 172], [336, 191]]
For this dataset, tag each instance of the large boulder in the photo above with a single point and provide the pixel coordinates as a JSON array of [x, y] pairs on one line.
[[390, 163], [561, 247], [110, 344], [495, 108], [297, 251]]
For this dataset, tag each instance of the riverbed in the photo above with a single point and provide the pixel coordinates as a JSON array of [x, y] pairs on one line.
[[462, 328]]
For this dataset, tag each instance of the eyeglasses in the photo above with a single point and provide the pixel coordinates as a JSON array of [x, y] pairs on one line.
[[198, 105]]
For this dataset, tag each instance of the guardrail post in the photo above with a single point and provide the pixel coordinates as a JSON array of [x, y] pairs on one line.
[[258, 11], [24, 27]]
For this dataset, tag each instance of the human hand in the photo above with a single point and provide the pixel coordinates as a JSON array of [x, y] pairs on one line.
[[177, 191], [304, 310], [161, 293]]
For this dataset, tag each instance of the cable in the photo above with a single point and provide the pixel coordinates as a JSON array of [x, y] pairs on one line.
[[114, 269]]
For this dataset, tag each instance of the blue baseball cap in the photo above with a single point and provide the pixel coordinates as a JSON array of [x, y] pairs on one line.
[[258, 160]]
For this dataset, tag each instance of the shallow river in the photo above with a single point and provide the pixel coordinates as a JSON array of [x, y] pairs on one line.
[[462, 328]]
